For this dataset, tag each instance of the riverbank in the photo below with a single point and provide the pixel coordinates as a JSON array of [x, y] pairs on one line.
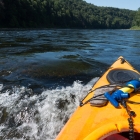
[[135, 28]]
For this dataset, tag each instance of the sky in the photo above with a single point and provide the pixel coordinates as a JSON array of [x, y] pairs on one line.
[[123, 4]]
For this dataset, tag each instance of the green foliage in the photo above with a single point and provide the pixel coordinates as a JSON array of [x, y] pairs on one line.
[[62, 14], [136, 21], [135, 28]]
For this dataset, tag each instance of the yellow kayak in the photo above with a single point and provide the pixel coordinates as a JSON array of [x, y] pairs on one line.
[[111, 109]]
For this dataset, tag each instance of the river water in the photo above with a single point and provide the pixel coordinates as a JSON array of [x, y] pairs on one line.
[[44, 74]]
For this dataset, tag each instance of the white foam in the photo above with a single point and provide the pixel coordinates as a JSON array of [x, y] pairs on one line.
[[1, 86], [41, 117]]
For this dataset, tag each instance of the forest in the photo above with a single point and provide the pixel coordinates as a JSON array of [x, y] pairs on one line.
[[64, 14], [136, 20]]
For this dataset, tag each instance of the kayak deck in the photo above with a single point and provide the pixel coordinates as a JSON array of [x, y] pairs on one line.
[[90, 122]]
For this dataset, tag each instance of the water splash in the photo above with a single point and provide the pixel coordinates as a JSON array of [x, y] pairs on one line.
[[25, 116], [1, 86]]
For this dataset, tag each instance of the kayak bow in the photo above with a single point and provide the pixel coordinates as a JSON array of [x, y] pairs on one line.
[[98, 118]]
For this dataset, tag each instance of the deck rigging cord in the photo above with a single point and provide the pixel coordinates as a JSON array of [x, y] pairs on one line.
[[95, 97], [120, 85], [133, 86]]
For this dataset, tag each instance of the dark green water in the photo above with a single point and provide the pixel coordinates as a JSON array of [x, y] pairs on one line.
[[40, 69], [50, 58]]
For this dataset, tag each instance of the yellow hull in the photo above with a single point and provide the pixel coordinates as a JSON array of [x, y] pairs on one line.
[[95, 123]]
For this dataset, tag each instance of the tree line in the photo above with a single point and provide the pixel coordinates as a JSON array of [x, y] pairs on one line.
[[62, 14], [136, 21]]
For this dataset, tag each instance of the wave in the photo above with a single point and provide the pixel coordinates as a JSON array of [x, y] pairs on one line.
[[25, 116]]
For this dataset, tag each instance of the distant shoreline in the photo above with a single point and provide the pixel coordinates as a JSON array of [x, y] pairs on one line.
[[135, 28], [23, 29]]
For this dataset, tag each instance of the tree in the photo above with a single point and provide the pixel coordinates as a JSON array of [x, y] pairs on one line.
[[136, 21], [2, 14]]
